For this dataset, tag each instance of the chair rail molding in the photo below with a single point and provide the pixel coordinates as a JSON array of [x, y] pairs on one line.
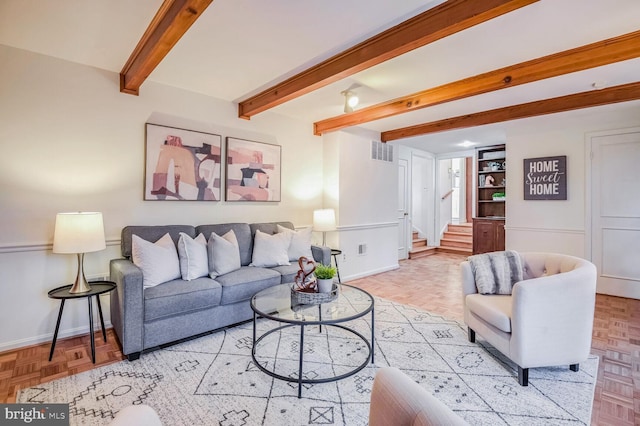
[[25, 247]]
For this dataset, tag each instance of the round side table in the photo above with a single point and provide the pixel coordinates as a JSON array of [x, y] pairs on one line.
[[62, 293]]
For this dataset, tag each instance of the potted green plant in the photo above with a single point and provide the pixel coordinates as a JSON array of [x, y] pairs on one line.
[[325, 274]]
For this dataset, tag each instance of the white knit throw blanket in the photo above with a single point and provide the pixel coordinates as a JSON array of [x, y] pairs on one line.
[[496, 272]]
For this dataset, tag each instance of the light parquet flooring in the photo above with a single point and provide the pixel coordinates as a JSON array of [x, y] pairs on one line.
[[431, 283]]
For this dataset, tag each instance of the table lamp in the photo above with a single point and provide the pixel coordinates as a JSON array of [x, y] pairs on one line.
[[324, 220], [79, 233]]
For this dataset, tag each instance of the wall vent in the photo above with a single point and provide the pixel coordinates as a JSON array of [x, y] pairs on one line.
[[381, 151], [362, 249]]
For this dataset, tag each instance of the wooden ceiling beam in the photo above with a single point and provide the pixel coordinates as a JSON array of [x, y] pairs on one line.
[[441, 21], [170, 23], [581, 58], [622, 93]]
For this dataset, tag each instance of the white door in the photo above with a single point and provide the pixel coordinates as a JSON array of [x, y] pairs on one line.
[[403, 209], [422, 204], [615, 213]]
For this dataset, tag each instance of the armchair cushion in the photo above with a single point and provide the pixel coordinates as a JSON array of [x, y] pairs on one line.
[[494, 309]]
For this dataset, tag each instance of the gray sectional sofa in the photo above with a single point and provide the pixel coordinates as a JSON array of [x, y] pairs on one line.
[[144, 318]]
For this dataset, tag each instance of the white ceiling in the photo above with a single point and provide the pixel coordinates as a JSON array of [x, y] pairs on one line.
[[239, 47]]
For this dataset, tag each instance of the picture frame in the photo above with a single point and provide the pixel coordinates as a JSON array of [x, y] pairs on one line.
[[181, 164], [253, 171], [545, 178]]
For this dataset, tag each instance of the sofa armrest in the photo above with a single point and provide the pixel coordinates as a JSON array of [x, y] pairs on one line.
[[397, 400], [321, 254], [127, 305], [553, 316]]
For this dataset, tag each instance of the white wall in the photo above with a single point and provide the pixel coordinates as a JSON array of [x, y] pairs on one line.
[[71, 141], [366, 207], [555, 226]]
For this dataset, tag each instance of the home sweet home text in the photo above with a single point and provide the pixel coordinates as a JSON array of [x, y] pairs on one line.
[[545, 178]]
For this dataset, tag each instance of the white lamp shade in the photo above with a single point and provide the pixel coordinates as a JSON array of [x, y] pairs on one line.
[[324, 220], [79, 232]]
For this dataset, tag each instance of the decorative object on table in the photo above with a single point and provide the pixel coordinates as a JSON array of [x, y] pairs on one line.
[[498, 196], [488, 180], [305, 280], [324, 220], [545, 178], [182, 165], [253, 171], [325, 275], [79, 233]]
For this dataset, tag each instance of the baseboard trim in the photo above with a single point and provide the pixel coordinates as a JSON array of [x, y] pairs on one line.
[[369, 273], [48, 337]]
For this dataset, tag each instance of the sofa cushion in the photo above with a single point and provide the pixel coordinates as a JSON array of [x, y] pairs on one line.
[[194, 262], [153, 233], [158, 261], [269, 227], [270, 250], [243, 235], [288, 272], [179, 296], [245, 282], [300, 244], [224, 254], [494, 309]]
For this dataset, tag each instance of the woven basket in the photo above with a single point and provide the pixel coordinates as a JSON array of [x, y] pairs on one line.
[[302, 298]]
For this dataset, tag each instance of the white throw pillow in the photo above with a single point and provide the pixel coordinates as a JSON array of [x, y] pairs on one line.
[[224, 254], [158, 261], [270, 250], [194, 261], [300, 242]]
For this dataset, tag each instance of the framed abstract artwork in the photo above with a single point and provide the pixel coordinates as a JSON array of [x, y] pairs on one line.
[[182, 165], [253, 171]]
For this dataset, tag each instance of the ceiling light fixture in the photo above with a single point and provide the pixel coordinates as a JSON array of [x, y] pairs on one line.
[[350, 100], [466, 144]]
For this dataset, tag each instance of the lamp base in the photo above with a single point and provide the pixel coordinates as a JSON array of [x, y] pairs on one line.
[[80, 285]]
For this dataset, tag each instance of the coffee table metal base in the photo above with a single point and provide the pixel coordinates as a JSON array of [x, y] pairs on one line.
[[300, 380]]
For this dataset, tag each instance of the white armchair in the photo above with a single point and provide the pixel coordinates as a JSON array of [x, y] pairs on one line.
[[548, 318], [397, 400]]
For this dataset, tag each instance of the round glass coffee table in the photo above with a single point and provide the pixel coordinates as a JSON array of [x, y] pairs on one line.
[[276, 303]]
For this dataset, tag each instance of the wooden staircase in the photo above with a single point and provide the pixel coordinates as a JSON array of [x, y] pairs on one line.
[[457, 239], [419, 247]]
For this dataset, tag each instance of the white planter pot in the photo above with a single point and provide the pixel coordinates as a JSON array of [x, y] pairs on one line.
[[325, 286]]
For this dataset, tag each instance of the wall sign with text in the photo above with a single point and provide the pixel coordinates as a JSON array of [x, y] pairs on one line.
[[545, 178]]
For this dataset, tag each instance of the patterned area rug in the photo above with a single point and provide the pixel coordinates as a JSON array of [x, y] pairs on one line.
[[213, 380]]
